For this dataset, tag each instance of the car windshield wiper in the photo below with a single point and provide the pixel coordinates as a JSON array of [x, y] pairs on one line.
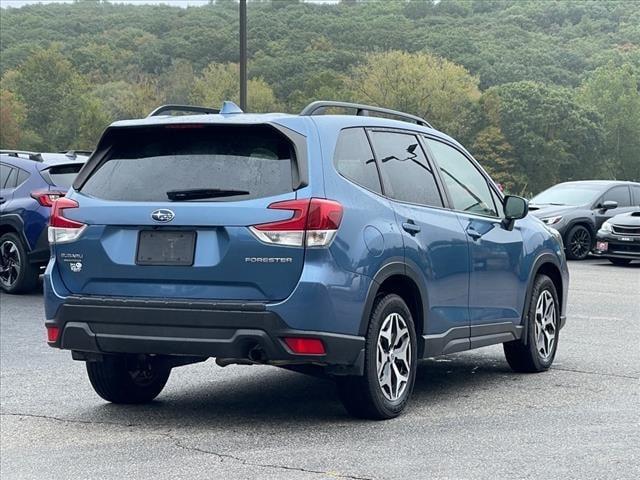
[[202, 193]]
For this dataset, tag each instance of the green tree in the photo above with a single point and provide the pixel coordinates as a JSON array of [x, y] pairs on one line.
[[553, 137], [220, 82], [443, 93], [495, 154], [12, 116], [615, 93], [53, 94]]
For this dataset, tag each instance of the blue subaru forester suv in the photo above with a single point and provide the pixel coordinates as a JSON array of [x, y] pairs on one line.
[[351, 245]]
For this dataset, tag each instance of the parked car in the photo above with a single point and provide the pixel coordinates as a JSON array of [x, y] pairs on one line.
[[351, 244], [578, 210], [618, 239], [29, 184]]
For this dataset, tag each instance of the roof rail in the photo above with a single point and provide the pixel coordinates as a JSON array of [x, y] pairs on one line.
[[182, 108], [35, 156], [318, 107]]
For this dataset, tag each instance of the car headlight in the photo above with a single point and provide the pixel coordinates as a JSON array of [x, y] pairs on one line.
[[552, 220], [606, 227]]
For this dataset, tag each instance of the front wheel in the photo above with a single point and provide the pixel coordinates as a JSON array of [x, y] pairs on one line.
[[128, 378], [543, 328], [390, 364], [579, 241]]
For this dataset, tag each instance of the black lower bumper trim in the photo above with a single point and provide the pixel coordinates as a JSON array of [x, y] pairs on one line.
[[194, 329]]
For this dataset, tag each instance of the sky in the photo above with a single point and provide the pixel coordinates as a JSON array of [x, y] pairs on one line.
[[175, 3]]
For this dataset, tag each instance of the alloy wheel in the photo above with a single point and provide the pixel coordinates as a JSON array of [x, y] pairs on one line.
[[580, 243], [545, 324], [393, 360], [10, 263]]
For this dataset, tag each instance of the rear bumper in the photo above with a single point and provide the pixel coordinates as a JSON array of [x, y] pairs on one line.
[[193, 328]]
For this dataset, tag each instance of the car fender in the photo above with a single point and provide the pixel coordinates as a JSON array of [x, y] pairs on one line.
[[393, 266], [541, 259]]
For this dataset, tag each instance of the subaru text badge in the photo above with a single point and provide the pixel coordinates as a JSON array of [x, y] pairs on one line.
[[162, 215]]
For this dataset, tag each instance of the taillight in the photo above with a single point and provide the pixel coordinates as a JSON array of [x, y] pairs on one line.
[[46, 197], [62, 229], [314, 223]]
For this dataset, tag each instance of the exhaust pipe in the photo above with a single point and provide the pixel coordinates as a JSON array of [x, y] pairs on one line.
[[255, 356]]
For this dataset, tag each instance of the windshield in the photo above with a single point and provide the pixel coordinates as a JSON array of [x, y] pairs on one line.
[[567, 195]]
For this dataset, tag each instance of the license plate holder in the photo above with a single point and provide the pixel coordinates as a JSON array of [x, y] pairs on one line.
[[166, 247]]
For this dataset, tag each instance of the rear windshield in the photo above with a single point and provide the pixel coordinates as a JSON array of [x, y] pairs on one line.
[[233, 163], [62, 175]]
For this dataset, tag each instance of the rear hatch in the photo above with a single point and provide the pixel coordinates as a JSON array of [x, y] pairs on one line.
[[167, 210]]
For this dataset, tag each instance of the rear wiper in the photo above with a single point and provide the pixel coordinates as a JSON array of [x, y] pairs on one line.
[[201, 193]]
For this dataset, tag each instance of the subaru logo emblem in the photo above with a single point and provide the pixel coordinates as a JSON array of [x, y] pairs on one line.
[[162, 215]]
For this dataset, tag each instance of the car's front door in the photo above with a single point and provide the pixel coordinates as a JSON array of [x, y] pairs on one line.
[[496, 289], [435, 244], [620, 194]]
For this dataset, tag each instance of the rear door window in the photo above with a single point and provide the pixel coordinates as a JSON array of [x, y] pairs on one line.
[[5, 170], [12, 178], [354, 159], [153, 163], [406, 173]]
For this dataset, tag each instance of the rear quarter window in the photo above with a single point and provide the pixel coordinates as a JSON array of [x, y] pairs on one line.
[[146, 163]]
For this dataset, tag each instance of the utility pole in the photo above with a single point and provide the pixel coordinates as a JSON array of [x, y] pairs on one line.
[[243, 55]]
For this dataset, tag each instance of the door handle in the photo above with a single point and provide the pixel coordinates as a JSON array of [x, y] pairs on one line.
[[473, 233], [2, 200], [410, 227]]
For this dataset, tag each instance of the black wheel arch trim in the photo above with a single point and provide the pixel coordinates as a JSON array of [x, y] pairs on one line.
[[393, 266], [16, 223], [542, 259]]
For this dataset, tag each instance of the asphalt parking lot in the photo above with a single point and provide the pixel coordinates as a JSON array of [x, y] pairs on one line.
[[470, 417]]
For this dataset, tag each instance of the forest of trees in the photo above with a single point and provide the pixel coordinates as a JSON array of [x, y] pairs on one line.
[[540, 91]]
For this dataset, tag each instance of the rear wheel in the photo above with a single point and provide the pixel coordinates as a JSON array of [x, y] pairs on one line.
[[17, 275], [543, 322], [128, 378], [579, 241], [390, 364], [620, 261]]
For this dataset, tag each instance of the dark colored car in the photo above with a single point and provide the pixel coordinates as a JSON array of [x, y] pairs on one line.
[[348, 243], [578, 210], [618, 239], [29, 184]]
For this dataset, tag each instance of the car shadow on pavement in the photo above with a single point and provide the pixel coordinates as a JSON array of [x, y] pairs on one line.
[[275, 395]]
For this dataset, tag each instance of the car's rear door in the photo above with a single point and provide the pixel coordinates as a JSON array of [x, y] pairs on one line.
[[168, 210], [435, 243], [497, 284], [8, 178]]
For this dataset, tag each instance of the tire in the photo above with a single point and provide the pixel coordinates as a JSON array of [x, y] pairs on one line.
[[128, 379], [17, 275], [620, 261], [579, 243], [539, 351], [364, 396]]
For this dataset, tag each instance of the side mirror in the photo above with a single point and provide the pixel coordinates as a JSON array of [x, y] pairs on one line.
[[514, 209], [609, 205]]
